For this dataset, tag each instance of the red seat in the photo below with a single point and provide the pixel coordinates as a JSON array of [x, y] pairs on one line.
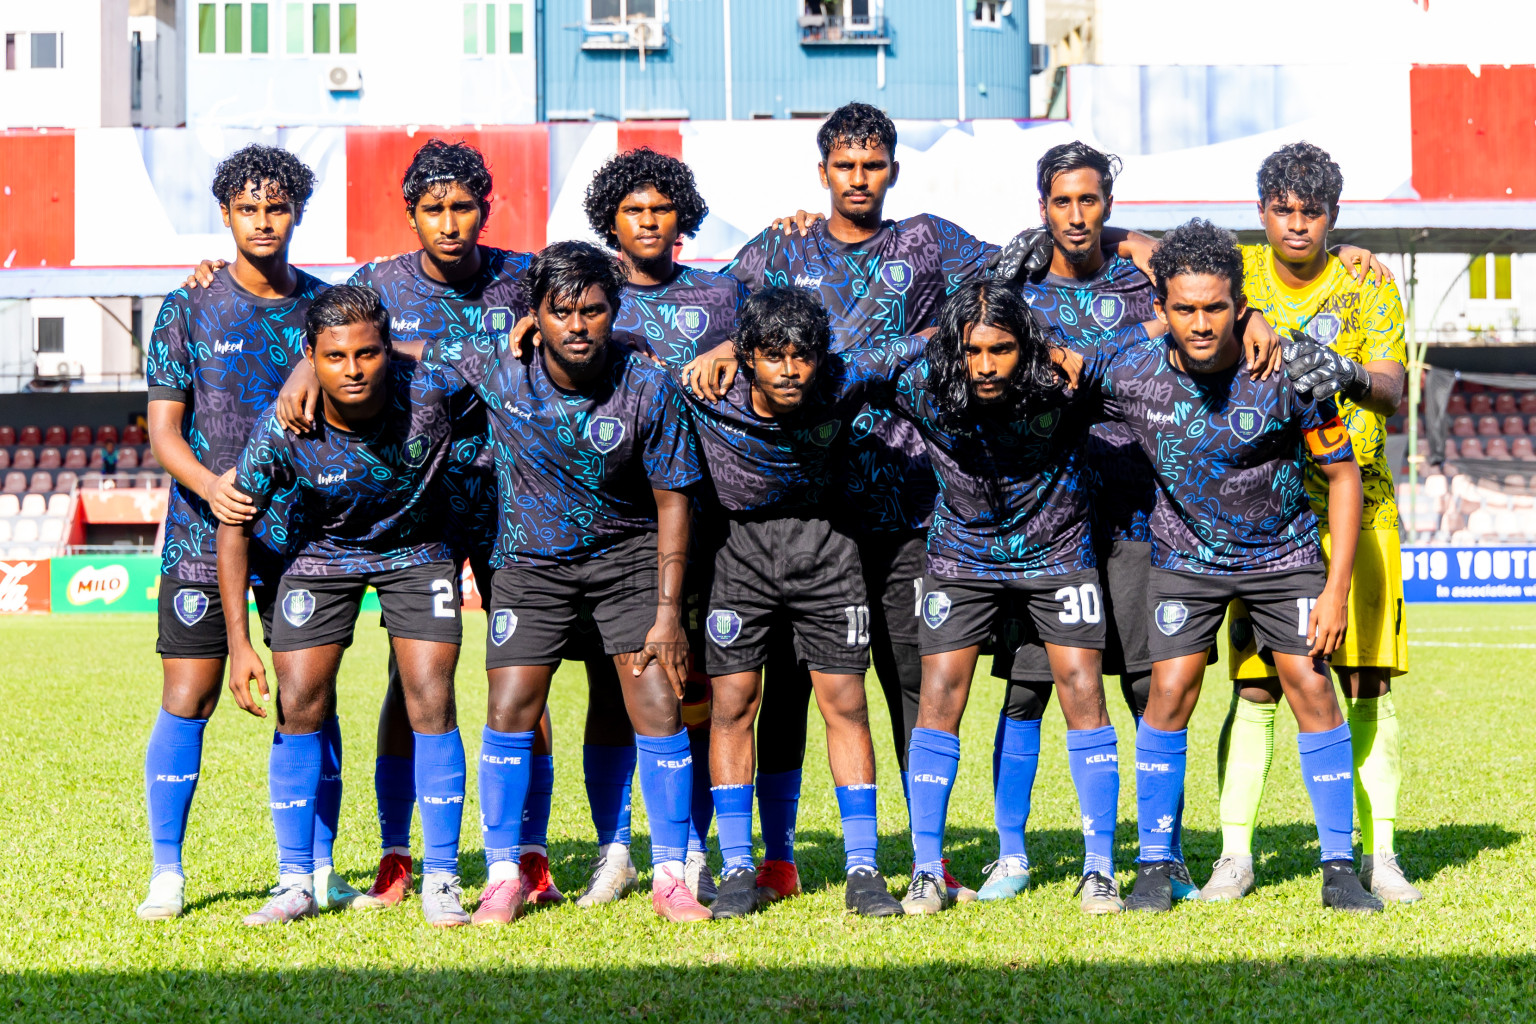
[[127, 458], [65, 482], [15, 483], [42, 482], [49, 458], [1462, 426], [74, 458], [5, 458], [105, 434], [56, 436], [1450, 449], [80, 435], [1521, 449], [24, 458], [1456, 405], [1498, 448], [1488, 426], [1472, 448], [133, 435], [1527, 406], [1504, 403], [7, 436], [1514, 426], [1530, 426], [150, 462], [30, 435], [1482, 404], [96, 459]]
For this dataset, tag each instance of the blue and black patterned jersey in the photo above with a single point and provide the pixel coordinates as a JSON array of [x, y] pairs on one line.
[[886, 287], [1087, 313], [576, 469], [365, 500], [422, 309], [796, 463], [1228, 453], [689, 314], [1012, 501], [225, 353]]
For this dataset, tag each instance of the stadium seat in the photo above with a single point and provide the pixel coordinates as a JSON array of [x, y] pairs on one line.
[[74, 458], [49, 458], [34, 505], [1463, 426], [7, 436], [15, 483], [1480, 525], [80, 435], [147, 478], [10, 505], [24, 458], [1481, 404], [64, 481], [1530, 426], [128, 458], [97, 461], [1498, 448], [1504, 403], [1488, 426], [1456, 406], [1451, 452], [1527, 405], [51, 531], [6, 530], [134, 435], [1514, 482], [25, 531], [30, 436], [5, 458], [1522, 449], [42, 482], [149, 461], [1436, 485], [56, 436], [1514, 426], [105, 434], [1472, 448]]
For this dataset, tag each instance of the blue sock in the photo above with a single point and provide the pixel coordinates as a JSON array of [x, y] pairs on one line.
[[541, 790], [440, 791], [856, 804], [933, 760], [1327, 767], [1095, 763], [733, 808], [1015, 757], [172, 762], [609, 773], [394, 786], [778, 804], [328, 804], [505, 767], [1160, 763], [1178, 819], [666, 781], [293, 779], [906, 797], [702, 809]]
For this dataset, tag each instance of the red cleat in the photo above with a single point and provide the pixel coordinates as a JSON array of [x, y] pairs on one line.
[[777, 880], [538, 885], [390, 886]]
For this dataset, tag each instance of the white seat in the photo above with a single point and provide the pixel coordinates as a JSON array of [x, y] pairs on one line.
[[10, 505], [1462, 539], [34, 505], [52, 531], [1436, 485], [5, 531], [60, 505], [19, 551], [1506, 524], [25, 531], [1480, 524]]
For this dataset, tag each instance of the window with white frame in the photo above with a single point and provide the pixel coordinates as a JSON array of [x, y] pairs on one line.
[[276, 27], [492, 28], [989, 13], [1490, 277], [621, 12]]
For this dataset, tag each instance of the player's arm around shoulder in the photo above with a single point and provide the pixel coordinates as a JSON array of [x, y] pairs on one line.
[[1328, 444]]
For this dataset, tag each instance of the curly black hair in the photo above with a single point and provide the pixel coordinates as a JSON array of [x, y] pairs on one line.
[[342, 305], [565, 270], [439, 164], [856, 124], [773, 319], [257, 166], [1303, 169], [1073, 156], [632, 171], [1034, 384], [1197, 247]]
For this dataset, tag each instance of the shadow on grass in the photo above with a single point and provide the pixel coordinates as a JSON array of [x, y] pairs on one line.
[[215, 898], [1463, 988]]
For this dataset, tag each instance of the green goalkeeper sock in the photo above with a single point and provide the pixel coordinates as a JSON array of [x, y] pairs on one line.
[[1243, 756], [1378, 770]]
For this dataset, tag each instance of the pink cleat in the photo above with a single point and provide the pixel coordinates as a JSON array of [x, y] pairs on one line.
[[500, 903], [673, 900]]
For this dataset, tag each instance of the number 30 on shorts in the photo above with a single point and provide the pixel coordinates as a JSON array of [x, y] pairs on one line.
[[1080, 604]]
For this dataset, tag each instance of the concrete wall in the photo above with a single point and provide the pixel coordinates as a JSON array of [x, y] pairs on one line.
[[90, 89]]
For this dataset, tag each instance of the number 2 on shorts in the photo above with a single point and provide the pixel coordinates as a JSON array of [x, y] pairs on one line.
[[1079, 604], [442, 593]]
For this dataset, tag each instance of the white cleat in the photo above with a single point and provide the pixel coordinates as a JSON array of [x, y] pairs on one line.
[[1231, 879], [167, 897], [1383, 875], [613, 877]]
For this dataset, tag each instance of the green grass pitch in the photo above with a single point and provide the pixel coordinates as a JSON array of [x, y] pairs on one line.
[[79, 695]]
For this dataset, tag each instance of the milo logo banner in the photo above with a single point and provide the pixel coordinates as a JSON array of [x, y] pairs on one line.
[[101, 583]]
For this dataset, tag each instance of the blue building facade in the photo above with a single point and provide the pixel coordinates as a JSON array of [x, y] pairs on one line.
[[742, 59]]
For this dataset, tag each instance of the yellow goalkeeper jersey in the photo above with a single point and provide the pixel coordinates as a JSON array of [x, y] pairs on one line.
[[1361, 320]]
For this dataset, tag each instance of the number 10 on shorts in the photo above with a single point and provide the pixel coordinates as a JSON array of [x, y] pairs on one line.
[[1080, 604], [858, 624]]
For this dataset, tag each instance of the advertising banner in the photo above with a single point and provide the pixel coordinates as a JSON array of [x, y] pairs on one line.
[[101, 583], [124, 505], [24, 586], [1469, 574]]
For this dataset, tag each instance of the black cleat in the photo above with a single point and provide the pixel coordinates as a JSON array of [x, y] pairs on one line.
[[1342, 889], [869, 896], [737, 894], [1154, 888]]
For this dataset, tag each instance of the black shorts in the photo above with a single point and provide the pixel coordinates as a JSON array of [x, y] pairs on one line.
[[1187, 608], [1067, 610], [420, 602], [192, 619], [1123, 576], [536, 609], [894, 565], [800, 573]]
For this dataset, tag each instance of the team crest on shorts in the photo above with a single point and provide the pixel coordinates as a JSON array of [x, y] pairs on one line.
[[298, 606], [190, 606], [1170, 617], [692, 322], [1107, 310], [1324, 328], [1044, 425], [723, 626], [416, 450], [498, 320], [936, 605], [826, 433], [1246, 422], [605, 433], [503, 625], [897, 276]]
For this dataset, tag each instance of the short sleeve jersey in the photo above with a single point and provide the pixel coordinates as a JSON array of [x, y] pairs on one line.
[[423, 309], [1361, 320], [576, 469], [689, 314], [797, 463], [885, 287], [1229, 453], [1087, 313], [225, 353], [1012, 502], [365, 501]]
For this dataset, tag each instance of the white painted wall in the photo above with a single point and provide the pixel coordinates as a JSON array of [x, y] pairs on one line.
[[162, 92], [90, 90]]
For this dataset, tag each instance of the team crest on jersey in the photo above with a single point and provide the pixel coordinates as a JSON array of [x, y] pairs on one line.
[[1044, 425], [605, 433], [826, 433], [897, 275], [692, 322], [503, 625], [1107, 310], [1245, 422], [1324, 328], [936, 605], [498, 320], [298, 606], [190, 606], [416, 450], [723, 626], [1170, 617]]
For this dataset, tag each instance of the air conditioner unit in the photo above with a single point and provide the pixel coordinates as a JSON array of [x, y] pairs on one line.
[[344, 78], [59, 369]]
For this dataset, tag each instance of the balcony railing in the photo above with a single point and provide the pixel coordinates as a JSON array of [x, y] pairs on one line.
[[842, 30]]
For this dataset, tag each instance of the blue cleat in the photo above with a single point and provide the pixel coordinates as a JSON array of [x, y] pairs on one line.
[[1184, 887], [1006, 878]]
